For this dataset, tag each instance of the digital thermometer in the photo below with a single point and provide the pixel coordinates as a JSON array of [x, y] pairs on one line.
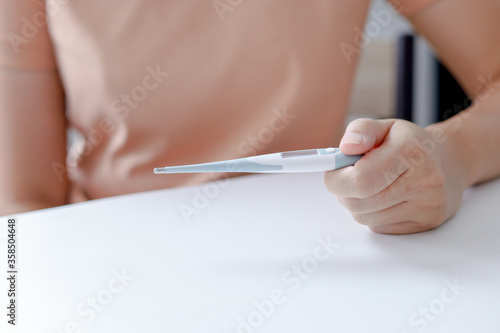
[[310, 160]]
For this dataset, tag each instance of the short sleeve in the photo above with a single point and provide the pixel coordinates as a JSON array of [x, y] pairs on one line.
[[411, 7], [24, 37]]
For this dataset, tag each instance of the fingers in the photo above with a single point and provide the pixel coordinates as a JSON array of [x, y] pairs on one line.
[[372, 174], [390, 196], [362, 135], [401, 228], [401, 218], [387, 160], [386, 216]]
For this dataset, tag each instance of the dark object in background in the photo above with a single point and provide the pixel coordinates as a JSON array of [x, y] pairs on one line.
[[451, 98], [405, 77]]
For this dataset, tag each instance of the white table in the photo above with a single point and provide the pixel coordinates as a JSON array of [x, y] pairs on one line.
[[254, 259]]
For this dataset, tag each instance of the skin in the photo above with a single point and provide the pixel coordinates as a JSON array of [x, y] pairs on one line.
[[32, 129], [412, 179], [28, 179]]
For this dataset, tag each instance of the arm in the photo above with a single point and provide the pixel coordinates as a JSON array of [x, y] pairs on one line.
[[465, 35], [413, 179], [32, 120]]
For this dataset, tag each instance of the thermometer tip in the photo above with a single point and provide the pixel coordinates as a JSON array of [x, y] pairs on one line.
[[159, 170]]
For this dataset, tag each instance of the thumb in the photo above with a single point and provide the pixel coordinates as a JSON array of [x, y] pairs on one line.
[[362, 135]]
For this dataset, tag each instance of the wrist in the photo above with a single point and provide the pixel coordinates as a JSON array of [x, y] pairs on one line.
[[456, 151]]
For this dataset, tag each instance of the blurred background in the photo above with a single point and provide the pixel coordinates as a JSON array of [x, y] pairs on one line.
[[399, 75]]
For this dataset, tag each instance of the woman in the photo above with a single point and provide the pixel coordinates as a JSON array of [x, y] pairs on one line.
[[179, 82]]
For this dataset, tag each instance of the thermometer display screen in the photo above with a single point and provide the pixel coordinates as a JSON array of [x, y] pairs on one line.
[[299, 153]]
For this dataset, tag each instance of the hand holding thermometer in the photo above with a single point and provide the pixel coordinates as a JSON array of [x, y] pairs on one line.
[[311, 160]]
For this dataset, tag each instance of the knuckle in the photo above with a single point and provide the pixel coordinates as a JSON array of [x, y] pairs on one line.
[[438, 210], [434, 222], [360, 218], [416, 155], [401, 228], [438, 202], [361, 124], [433, 189], [365, 219], [329, 180], [436, 180], [363, 187], [392, 169], [352, 204]]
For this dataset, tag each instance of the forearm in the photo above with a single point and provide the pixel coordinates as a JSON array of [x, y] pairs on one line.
[[32, 140], [473, 136], [21, 206], [465, 36]]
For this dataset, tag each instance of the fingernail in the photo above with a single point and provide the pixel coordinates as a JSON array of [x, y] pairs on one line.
[[354, 138]]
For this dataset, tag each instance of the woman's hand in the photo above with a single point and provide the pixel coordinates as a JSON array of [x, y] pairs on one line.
[[410, 180]]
